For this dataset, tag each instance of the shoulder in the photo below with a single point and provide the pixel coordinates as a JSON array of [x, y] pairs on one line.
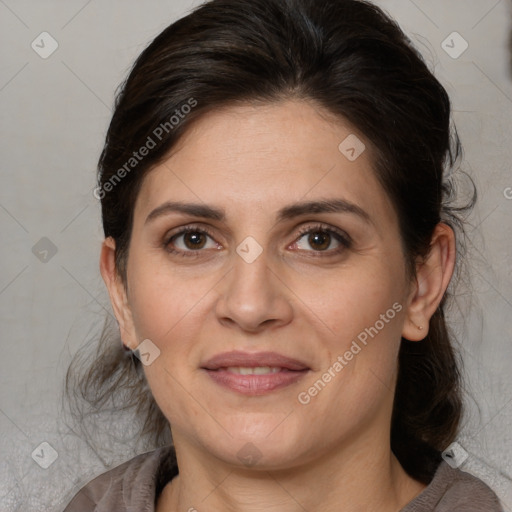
[[129, 486], [453, 490]]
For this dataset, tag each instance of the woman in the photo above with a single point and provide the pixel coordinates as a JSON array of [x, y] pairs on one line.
[[278, 246]]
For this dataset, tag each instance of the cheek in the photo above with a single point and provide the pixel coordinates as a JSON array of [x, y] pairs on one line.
[[162, 299], [173, 318], [363, 311], [348, 300], [170, 309]]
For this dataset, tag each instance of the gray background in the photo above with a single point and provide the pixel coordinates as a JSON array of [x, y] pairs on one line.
[[54, 115]]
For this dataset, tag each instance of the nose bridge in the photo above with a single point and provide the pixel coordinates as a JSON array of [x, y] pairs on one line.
[[251, 294], [250, 261], [251, 275]]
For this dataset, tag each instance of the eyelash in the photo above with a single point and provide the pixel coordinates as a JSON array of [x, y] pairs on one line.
[[339, 235]]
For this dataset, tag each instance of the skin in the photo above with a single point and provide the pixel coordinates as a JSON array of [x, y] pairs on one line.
[[295, 299]]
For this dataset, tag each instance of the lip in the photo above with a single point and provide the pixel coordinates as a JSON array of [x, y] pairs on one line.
[[292, 370], [252, 360]]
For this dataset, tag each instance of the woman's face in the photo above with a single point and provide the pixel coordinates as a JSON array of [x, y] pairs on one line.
[[264, 270]]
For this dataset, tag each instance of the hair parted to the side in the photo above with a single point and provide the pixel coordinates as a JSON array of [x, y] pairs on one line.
[[351, 60]]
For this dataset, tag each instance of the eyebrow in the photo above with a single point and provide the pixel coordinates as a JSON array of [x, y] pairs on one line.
[[286, 213]]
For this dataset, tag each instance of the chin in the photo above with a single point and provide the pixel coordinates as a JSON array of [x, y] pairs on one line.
[[261, 450]]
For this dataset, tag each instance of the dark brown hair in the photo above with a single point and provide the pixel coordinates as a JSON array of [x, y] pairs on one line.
[[354, 61]]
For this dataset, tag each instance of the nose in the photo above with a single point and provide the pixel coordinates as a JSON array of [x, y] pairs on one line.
[[253, 297]]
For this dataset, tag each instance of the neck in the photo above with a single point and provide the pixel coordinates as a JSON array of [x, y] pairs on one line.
[[358, 476]]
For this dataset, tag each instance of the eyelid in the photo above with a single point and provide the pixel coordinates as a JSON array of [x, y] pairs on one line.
[[189, 228], [327, 229], [344, 240]]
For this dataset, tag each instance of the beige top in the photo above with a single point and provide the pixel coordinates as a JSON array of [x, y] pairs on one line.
[[135, 485]]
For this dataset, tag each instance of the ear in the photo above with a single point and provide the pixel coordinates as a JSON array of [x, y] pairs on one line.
[[433, 275], [117, 292]]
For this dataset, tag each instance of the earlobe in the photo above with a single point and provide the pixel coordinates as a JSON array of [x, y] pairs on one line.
[[433, 276], [117, 291]]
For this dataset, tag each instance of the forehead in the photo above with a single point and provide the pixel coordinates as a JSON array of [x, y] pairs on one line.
[[251, 158]]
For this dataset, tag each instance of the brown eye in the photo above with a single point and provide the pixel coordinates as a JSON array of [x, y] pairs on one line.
[[190, 241], [194, 240], [319, 240]]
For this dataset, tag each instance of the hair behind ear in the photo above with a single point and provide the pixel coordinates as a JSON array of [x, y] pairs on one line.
[[428, 404]]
